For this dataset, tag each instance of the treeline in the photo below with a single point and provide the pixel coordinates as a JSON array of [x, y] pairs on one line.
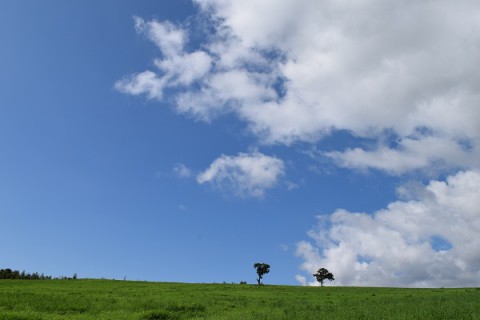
[[15, 274]]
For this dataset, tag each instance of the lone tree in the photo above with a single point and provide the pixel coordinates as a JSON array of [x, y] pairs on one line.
[[322, 275], [262, 268]]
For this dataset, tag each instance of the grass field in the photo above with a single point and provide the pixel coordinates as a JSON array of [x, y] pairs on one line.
[[108, 299]]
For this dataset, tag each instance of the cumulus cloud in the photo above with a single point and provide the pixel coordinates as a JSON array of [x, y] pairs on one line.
[[365, 67], [431, 241], [300, 70], [245, 174]]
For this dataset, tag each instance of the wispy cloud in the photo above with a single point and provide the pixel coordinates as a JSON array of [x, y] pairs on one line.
[[182, 171], [146, 82], [431, 241], [245, 174], [175, 68], [169, 38], [431, 153], [291, 185]]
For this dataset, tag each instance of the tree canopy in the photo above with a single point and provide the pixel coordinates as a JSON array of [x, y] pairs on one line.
[[15, 274], [262, 268], [322, 275]]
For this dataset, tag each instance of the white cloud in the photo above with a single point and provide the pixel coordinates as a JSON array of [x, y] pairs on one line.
[[245, 174], [224, 91], [303, 281], [146, 82], [182, 171], [169, 38], [361, 65], [185, 69], [437, 153], [176, 67], [292, 185], [428, 242], [302, 69]]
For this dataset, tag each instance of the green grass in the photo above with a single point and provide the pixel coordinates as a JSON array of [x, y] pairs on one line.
[[107, 299]]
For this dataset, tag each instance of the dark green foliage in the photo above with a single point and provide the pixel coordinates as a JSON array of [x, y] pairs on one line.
[[174, 312], [262, 269], [17, 275], [159, 315], [322, 275]]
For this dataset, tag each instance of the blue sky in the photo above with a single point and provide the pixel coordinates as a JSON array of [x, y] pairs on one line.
[[185, 141]]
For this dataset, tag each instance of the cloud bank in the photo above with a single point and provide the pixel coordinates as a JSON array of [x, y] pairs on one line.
[[300, 70], [431, 241]]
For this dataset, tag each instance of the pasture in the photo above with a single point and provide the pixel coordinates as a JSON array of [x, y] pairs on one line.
[[109, 299]]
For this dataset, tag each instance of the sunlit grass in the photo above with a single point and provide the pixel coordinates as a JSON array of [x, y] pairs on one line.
[[106, 299]]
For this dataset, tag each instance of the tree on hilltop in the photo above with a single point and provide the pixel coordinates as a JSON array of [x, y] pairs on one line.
[[262, 268], [322, 275]]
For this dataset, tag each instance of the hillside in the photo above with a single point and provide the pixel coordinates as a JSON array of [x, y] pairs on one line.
[[108, 299]]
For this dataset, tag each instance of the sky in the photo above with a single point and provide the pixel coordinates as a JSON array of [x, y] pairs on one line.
[[184, 141]]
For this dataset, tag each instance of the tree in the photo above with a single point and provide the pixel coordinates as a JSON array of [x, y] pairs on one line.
[[322, 275], [262, 268]]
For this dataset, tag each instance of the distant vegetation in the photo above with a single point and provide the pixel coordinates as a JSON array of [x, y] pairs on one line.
[[17, 275]]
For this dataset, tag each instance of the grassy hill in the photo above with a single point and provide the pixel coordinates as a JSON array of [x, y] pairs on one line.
[[107, 299]]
